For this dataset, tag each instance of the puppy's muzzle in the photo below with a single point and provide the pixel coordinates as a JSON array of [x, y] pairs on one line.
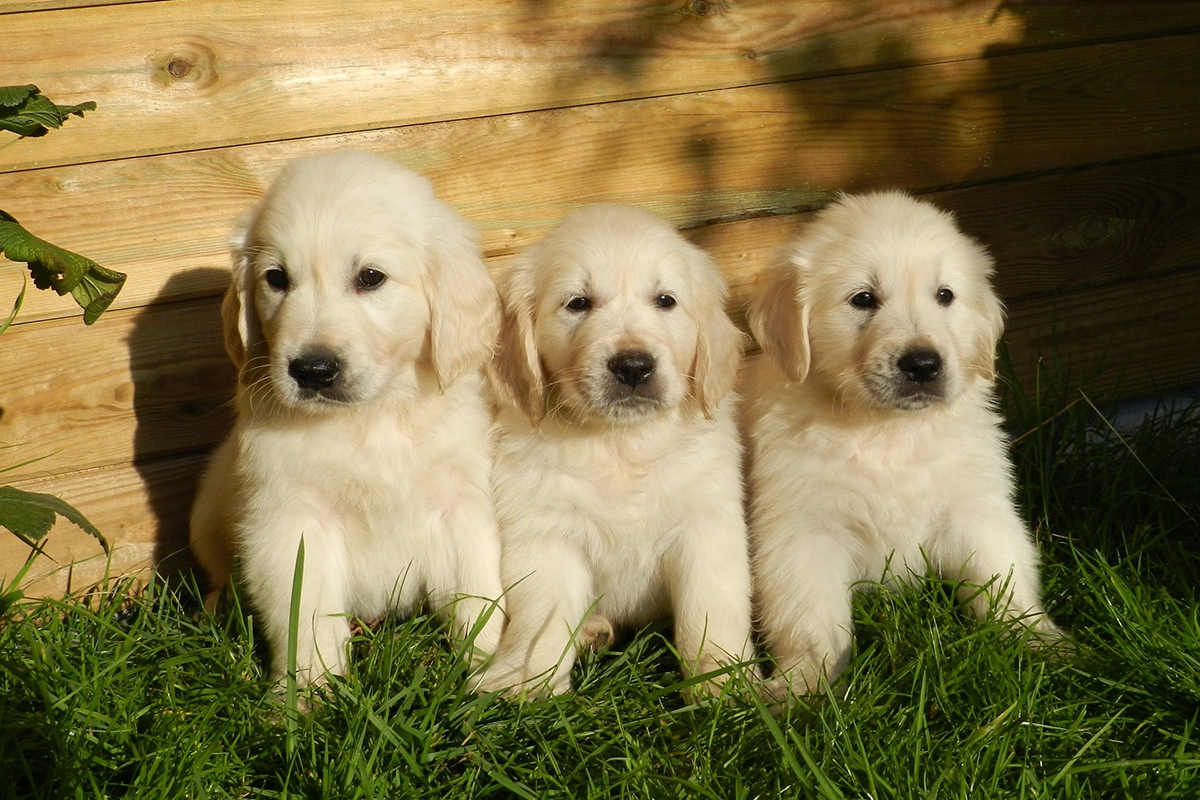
[[920, 366], [918, 379], [316, 370], [632, 368]]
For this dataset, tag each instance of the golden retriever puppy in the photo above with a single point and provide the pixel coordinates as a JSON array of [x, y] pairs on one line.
[[871, 435], [617, 480], [360, 316]]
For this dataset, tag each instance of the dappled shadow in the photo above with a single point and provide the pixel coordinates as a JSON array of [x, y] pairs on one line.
[[995, 110], [784, 143]]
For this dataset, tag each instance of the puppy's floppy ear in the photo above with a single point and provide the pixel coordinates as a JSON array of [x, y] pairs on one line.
[[778, 315], [464, 308], [516, 371], [244, 340], [991, 313], [719, 343]]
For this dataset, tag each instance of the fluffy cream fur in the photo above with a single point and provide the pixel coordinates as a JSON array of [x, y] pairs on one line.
[[871, 435], [360, 316], [617, 470]]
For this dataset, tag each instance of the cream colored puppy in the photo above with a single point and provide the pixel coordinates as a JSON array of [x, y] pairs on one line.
[[360, 316], [871, 435], [617, 467]]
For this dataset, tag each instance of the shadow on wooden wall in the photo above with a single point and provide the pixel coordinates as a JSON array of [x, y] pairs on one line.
[[181, 402]]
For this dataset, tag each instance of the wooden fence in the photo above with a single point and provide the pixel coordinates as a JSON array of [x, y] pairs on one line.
[[1066, 136]]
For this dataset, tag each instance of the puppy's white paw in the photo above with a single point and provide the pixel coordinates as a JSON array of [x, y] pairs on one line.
[[597, 634]]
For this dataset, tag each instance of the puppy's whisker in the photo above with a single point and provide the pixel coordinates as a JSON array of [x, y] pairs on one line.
[[258, 390], [553, 390], [560, 406]]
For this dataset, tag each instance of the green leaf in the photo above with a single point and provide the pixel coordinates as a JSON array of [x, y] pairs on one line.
[[25, 111], [15, 95], [96, 291], [30, 515], [94, 287]]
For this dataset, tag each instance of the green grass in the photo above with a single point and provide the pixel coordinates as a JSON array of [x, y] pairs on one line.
[[142, 696]]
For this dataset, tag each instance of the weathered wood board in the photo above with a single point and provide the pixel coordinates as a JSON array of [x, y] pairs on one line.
[[186, 75]]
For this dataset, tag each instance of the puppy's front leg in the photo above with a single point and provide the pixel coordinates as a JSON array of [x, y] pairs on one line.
[[212, 522], [986, 542], [269, 562], [802, 585], [549, 591], [472, 581], [709, 572]]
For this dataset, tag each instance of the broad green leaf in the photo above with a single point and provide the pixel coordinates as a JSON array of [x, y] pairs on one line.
[[15, 95], [96, 290], [30, 515], [27, 112], [94, 287]]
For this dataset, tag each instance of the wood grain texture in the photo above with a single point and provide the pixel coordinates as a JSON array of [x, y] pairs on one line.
[[205, 74], [1066, 138], [19, 6], [1086, 228], [142, 511], [1133, 338], [133, 387], [1050, 234], [694, 158]]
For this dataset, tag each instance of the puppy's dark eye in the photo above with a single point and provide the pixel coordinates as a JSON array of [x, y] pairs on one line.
[[277, 279], [370, 278], [865, 300], [945, 297], [665, 301], [579, 303]]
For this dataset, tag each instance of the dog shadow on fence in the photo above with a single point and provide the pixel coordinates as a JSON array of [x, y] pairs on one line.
[[182, 399]]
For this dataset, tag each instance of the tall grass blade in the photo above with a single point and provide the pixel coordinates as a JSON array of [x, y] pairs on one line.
[[292, 709]]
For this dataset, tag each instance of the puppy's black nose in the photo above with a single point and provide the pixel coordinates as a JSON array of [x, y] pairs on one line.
[[920, 366], [317, 370], [631, 367]]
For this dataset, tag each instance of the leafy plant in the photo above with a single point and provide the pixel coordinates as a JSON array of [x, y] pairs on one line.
[[26, 112], [94, 287], [30, 515]]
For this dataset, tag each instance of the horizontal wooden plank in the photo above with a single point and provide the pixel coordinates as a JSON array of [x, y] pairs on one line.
[[142, 512], [1133, 338], [1087, 227], [19, 6], [694, 158], [135, 386], [1047, 234], [179, 76]]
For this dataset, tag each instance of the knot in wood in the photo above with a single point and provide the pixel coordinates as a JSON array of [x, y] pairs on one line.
[[178, 67], [186, 64]]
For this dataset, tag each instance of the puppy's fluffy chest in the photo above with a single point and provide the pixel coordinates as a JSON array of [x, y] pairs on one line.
[[893, 480], [611, 490], [348, 461], [376, 470]]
